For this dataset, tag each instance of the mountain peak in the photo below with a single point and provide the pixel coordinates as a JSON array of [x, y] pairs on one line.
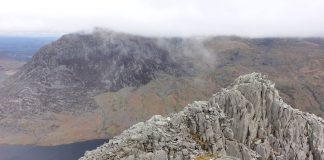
[[247, 120]]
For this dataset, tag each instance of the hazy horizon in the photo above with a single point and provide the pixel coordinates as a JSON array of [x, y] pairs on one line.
[[250, 18]]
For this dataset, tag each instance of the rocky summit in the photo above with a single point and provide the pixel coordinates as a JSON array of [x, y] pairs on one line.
[[247, 120]]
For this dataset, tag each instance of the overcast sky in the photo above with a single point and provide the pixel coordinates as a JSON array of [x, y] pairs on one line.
[[253, 18]]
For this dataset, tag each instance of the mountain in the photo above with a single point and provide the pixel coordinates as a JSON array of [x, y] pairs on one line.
[[51, 97], [94, 85], [247, 120]]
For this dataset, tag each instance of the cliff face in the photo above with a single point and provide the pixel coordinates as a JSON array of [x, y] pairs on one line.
[[68, 71], [247, 120], [50, 98]]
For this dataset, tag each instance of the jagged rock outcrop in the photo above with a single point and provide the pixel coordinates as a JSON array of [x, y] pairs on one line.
[[247, 120]]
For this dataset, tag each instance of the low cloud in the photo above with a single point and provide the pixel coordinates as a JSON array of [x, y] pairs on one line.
[[253, 18]]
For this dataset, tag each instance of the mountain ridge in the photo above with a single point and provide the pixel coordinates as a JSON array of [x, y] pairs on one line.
[[247, 120]]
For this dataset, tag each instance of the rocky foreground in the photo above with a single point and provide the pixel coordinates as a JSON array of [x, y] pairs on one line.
[[247, 120]]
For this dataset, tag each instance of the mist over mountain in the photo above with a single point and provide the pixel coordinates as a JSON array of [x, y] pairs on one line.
[[94, 85], [253, 18]]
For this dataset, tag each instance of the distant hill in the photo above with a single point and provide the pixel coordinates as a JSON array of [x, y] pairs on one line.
[[22, 48]]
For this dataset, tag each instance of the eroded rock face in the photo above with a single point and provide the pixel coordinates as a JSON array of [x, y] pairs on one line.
[[247, 120]]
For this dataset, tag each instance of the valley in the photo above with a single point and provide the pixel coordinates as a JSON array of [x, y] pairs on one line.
[[22, 48]]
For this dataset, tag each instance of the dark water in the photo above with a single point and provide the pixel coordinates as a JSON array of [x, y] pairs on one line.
[[62, 152]]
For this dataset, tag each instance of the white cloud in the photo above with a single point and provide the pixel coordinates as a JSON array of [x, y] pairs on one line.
[[165, 17]]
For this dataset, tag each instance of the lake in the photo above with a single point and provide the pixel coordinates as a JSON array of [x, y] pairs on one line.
[[61, 152]]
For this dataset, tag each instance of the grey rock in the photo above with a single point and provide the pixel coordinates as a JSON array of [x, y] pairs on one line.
[[228, 133], [263, 127], [263, 149]]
